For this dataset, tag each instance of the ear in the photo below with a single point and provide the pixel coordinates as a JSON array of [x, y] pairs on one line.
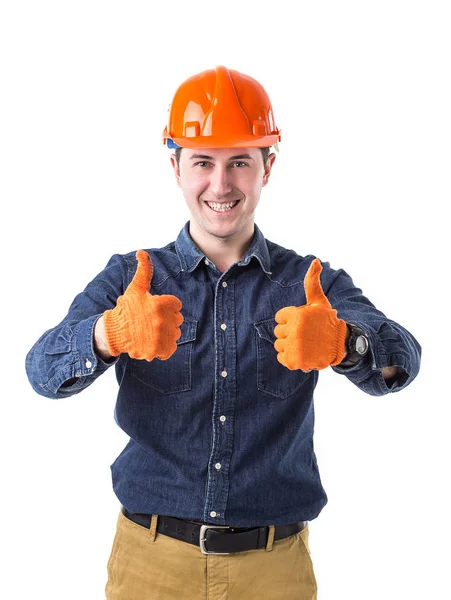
[[176, 168], [268, 167]]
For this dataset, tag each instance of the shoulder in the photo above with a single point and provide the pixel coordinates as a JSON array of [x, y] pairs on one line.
[[288, 267], [164, 260]]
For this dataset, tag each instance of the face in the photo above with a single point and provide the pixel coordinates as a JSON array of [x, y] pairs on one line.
[[211, 179]]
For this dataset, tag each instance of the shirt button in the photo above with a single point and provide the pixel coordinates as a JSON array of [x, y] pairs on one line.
[[222, 418], [88, 363], [218, 466], [213, 513], [206, 261], [223, 326], [224, 284], [224, 373]]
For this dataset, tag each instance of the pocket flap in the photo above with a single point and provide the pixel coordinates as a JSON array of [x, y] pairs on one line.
[[265, 329], [189, 331]]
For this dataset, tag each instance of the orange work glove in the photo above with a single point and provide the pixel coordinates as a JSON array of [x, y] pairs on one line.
[[310, 336], [142, 325]]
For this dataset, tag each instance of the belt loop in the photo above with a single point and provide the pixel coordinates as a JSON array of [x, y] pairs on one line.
[[153, 528], [269, 543]]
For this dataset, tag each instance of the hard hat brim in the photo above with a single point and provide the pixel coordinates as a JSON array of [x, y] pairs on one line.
[[250, 141]]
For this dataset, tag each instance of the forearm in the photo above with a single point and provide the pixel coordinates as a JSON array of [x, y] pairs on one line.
[[387, 372], [69, 357], [391, 346], [63, 361]]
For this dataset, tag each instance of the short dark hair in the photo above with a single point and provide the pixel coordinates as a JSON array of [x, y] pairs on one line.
[[265, 154]]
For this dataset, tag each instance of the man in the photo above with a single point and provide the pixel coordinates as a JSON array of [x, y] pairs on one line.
[[217, 340]]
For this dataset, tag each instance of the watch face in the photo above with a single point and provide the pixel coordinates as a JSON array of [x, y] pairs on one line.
[[361, 344]]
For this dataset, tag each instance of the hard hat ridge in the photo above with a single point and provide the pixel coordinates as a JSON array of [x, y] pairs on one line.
[[220, 108]]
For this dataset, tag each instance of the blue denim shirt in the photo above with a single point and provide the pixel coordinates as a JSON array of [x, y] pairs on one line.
[[221, 432]]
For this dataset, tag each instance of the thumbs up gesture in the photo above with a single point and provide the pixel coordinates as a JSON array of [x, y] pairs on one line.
[[142, 325], [310, 336]]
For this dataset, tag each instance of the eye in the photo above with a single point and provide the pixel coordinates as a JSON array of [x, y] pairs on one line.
[[203, 163]]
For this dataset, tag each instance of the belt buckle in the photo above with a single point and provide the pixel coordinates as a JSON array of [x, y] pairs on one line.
[[203, 538]]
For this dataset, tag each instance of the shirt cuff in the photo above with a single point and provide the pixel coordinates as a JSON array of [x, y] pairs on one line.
[[85, 365]]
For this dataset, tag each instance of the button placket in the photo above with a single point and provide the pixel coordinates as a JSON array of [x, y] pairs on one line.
[[223, 403]]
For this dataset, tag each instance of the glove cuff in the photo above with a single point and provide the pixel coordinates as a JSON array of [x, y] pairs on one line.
[[341, 341], [114, 331]]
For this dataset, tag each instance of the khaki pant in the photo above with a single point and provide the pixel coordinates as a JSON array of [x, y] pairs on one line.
[[146, 565]]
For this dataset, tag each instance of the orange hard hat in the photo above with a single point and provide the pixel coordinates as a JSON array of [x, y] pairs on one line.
[[220, 108]]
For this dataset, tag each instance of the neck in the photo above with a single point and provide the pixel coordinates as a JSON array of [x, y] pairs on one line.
[[222, 251]]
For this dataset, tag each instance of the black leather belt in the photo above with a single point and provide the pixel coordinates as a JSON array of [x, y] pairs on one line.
[[215, 539]]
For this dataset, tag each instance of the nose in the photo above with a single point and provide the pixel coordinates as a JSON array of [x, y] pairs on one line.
[[220, 181]]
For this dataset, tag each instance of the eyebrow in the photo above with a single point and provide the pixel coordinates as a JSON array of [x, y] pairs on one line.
[[206, 157]]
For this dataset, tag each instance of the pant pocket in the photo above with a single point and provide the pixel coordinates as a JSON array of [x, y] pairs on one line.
[[111, 565], [303, 541], [304, 537]]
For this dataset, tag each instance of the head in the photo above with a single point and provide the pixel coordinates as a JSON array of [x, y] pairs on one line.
[[221, 176], [222, 126]]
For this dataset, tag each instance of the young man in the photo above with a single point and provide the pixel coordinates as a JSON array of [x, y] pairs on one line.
[[217, 340]]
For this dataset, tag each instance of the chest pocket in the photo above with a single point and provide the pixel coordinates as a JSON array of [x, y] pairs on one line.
[[173, 375], [273, 377]]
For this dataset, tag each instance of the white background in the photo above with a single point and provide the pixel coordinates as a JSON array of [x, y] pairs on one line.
[[361, 91]]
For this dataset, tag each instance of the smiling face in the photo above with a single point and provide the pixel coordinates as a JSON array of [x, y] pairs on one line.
[[212, 179]]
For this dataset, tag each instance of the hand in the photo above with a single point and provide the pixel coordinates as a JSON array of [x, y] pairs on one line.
[[142, 325], [310, 336]]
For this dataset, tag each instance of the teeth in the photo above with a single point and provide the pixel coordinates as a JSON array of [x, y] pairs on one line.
[[222, 207]]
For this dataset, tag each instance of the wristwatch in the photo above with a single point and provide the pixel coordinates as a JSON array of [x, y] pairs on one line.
[[357, 346]]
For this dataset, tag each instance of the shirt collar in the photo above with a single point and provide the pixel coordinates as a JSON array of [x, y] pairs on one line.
[[190, 255]]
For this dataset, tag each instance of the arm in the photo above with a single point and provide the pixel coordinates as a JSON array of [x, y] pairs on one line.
[[315, 335], [394, 356], [68, 358]]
